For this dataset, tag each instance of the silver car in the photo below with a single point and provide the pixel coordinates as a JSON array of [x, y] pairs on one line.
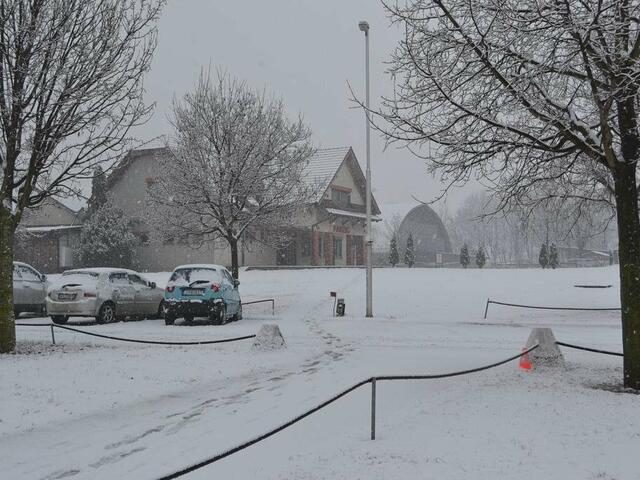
[[29, 289], [107, 294]]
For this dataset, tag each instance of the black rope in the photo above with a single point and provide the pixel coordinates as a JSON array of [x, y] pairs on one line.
[[154, 342], [593, 286], [33, 324], [552, 308], [578, 347], [259, 301], [264, 436], [455, 374]]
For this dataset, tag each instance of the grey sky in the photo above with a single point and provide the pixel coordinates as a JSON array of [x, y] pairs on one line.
[[302, 50]]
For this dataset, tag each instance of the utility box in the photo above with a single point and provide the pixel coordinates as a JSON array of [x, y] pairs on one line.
[[340, 307]]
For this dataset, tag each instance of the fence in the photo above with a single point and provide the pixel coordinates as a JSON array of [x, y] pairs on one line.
[[372, 380], [582, 309], [130, 340], [273, 304]]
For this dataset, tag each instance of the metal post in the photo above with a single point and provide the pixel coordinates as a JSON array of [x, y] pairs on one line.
[[373, 408], [486, 309], [273, 307], [364, 26], [53, 337]]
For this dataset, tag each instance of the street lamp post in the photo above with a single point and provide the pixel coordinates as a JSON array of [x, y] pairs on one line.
[[364, 26]]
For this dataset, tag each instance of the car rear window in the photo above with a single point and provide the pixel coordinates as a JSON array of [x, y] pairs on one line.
[[78, 278], [187, 276]]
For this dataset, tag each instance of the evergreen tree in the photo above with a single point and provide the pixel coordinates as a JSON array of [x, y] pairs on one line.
[[409, 253], [98, 191], [543, 258], [394, 256], [554, 262], [464, 256], [106, 239], [481, 258]]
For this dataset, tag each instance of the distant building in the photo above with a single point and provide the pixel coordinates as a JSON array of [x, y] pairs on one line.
[[329, 231], [430, 237], [46, 237]]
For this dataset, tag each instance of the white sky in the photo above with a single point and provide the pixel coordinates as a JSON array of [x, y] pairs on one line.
[[302, 50]]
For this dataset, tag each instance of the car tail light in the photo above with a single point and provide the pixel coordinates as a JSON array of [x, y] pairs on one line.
[[171, 288], [90, 294], [215, 287]]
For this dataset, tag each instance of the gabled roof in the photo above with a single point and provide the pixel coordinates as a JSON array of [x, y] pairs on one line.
[[129, 158], [322, 168]]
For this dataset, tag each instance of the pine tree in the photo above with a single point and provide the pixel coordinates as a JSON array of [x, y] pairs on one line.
[[554, 262], [409, 253], [481, 258], [106, 239], [98, 191], [543, 258], [394, 256], [464, 256]]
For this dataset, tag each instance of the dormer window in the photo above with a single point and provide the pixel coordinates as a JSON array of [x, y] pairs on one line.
[[341, 196]]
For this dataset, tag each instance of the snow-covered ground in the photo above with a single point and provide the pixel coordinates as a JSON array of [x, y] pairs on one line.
[[98, 409]]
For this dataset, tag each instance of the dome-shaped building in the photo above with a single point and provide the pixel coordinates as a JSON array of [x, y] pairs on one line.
[[429, 235]]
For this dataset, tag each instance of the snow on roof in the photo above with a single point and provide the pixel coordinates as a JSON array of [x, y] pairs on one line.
[[322, 167], [99, 270], [347, 213], [201, 265]]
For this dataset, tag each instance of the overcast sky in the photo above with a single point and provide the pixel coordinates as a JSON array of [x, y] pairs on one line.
[[302, 50]]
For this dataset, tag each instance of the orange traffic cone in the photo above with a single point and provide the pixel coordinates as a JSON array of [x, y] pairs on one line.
[[525, 363]]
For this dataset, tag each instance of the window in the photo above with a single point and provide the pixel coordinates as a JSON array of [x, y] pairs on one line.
[[28, 274], [306, 246], [320, 245], [227, 277], [337, 248], [119, 278], [340, 197], [137, 280]]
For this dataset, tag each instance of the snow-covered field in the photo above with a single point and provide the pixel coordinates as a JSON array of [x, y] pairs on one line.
[[98, 409]]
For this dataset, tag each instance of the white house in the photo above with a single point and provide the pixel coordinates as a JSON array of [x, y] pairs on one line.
[[330, 231]]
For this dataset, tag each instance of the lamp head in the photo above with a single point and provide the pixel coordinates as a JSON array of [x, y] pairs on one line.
[[364, 26]]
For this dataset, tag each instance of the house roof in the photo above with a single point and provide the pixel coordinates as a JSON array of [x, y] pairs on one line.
[[320, 171], [129, 158], [322, 168]]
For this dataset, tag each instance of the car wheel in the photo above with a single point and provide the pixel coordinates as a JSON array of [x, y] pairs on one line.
[[161, 313], [59, 319], [238, 316], [220, 318], [107, 313], [169, 318]]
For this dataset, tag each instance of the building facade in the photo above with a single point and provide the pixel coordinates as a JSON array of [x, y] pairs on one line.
[[327, 232], [47, 236]]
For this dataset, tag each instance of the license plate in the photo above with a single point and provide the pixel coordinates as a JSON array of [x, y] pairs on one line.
[[66, 296], [193, 291]]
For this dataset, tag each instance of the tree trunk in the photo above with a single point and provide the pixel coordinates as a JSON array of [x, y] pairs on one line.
[[7, 322], [626, 191], [233, 244]]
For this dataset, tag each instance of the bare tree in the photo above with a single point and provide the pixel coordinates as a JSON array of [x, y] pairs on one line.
[[538, 97], [237, 164], [70, 90]]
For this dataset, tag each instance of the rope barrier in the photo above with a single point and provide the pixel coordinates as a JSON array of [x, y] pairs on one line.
[[588, 349], [133, 340], [154, 342], [455, 374], [313, 410], [272, 300], [583, 309], [593, 286]]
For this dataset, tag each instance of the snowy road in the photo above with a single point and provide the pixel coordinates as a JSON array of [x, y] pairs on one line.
[[91, 408]]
